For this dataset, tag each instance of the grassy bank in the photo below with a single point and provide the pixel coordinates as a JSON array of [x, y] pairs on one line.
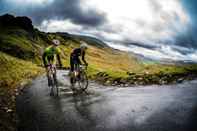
[[147, 75], [14, 73]]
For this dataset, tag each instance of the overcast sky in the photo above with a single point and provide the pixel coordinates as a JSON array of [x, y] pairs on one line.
[[153, 28]]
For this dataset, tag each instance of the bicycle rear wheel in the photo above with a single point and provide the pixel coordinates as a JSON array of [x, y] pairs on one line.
[[51, 85]]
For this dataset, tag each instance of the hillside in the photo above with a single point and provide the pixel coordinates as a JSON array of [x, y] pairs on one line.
[[19, 39], [21, 47]]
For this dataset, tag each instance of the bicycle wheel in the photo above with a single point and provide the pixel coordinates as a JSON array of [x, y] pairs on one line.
[[72, 82], [74, 78], [53, 82], [55, 86], [83, 81], [55, 89], [51, 85]]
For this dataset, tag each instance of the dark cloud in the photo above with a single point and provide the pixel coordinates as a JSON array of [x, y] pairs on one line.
[[147, 46], [187, 39], [60, 10]]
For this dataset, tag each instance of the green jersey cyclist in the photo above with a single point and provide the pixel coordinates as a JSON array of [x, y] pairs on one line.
[[51, 55]]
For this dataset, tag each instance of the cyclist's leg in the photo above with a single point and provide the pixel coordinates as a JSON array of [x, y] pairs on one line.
[[55, 74], [78, 63], [48, 75], [49, 61], [44, 57], [74, 70], [72, 65]]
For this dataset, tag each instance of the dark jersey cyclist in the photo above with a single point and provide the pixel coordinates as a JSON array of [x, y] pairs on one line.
[[76, 54]]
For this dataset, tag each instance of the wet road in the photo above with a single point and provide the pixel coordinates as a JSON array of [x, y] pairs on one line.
[[150, 108]]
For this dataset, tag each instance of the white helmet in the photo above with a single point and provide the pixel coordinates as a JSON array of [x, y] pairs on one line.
[[56, 42], [83, 45]]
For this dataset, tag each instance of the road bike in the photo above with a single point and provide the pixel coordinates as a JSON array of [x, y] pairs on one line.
[[79, 79], [52, 79]]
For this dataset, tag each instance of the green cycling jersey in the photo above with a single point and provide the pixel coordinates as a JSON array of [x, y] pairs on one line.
[[50, 55]]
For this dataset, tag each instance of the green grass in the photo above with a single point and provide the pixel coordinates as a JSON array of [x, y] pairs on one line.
[[14, 71], [22, 44]]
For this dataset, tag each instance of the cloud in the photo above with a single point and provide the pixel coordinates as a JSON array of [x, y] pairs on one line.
[[29, 2], [157, 29], [164, 52], [63, 26], [41, 10]]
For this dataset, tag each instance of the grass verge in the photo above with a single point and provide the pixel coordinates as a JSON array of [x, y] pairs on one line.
[[14, 73]]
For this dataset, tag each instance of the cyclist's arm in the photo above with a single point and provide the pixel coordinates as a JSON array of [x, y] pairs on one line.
[[59, 60], [58, 52], [45, 60], [83, 58]]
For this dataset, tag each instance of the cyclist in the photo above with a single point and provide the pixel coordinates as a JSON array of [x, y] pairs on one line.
[[51, 55], [75, 57]]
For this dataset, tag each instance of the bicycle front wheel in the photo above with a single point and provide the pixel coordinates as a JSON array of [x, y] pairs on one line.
[[83, 81], [54, 86]]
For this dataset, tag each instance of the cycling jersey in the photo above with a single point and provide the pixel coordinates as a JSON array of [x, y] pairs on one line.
[[77, 52], [50, 55]]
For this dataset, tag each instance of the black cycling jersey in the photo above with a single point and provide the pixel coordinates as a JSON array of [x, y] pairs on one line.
[[77, 53], [74, 57]]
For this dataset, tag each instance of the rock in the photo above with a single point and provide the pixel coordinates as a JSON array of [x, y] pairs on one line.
[[13, 98], [180, 80], [141, 83], [126, 85], [115, 82], [162, 82], [130, 73], [10, 20], [131, 82], [123, 81], [25, 23], [108, 82], [9, 111], [7, 19], [135, 83]]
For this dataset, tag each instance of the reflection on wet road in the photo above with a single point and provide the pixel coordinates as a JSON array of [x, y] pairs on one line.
[[150, 108]]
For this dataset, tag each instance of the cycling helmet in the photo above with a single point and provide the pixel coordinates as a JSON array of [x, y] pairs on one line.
[[56, 42], [83, 45]]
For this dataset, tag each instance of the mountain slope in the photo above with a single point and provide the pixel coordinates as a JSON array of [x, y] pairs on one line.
[[20, 39]]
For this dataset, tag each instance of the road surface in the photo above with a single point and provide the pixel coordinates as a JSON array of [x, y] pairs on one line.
[[142, 108]]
